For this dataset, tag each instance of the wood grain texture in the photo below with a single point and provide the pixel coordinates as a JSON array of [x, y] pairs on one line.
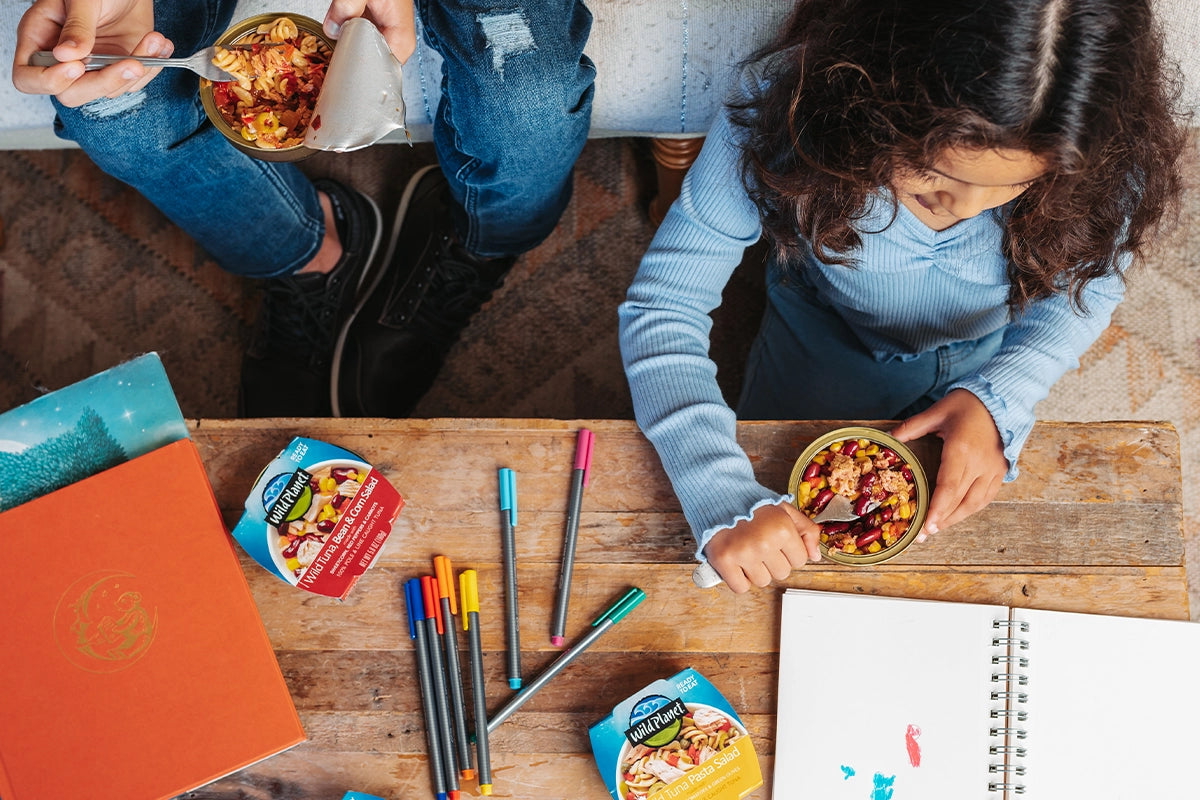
[[1093, 524]]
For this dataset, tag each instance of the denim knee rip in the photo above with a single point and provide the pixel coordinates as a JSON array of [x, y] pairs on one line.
[[507, 34], [107, 107]]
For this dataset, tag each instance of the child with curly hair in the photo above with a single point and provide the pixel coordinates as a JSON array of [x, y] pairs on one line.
[[953, 192]]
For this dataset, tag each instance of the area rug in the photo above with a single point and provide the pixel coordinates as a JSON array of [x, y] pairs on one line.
[[90, 274]]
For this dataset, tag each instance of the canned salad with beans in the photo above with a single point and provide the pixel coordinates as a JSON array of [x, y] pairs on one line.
[[318, 516], [865, 489]]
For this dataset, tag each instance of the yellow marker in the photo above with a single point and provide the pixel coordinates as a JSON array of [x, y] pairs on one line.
[[469, 586]]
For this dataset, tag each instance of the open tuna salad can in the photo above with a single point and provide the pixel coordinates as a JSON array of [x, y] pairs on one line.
[[867, 491]]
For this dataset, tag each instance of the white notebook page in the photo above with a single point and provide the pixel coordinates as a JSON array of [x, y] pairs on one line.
[[884, 698], [1114, 707]]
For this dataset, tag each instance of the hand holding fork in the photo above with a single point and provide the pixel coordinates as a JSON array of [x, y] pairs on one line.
[[200, 62]]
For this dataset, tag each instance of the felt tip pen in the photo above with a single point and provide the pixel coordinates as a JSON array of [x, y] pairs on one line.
[[449, 603], [416, 631], [433, 624], [469, 586], [508, 524], [579, 479], [615, 613]]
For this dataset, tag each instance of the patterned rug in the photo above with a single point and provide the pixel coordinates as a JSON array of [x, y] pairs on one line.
[[91, 274]]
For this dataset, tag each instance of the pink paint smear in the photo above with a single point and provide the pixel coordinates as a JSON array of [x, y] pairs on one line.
[[910, 742]]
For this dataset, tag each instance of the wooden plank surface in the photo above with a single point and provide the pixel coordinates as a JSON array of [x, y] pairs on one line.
[[1093, 524]]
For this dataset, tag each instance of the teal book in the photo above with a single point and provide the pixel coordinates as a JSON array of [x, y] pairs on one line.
[[85, 428]]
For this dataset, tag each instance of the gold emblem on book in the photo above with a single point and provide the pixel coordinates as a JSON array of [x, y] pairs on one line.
[[102, 622]]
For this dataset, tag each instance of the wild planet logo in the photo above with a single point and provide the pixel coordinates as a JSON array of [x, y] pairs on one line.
[[103, 623], [287, 497], [655, 720]]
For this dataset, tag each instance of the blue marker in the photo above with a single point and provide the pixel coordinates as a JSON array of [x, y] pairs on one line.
[[416, 631], [508, 522]]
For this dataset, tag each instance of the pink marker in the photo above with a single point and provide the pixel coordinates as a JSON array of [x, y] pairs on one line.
[[579, 479]]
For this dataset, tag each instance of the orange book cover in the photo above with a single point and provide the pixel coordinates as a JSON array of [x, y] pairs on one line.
[[134, 664]]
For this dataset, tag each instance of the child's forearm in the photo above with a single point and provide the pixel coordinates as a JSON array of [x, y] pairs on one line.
[[1039, 347]]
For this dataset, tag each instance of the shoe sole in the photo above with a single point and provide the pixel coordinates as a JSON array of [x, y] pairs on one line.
[[372, 272], [379, 270]]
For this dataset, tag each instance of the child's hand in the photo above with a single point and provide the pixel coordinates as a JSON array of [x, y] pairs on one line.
[[393, 18], [74, 28], [773, 542], [973, 462]]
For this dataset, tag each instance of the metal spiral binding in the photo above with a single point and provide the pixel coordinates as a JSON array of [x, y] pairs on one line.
[[1020, 661], [1007, 713], [1015, 788], [1007, 749], [1010, 674]]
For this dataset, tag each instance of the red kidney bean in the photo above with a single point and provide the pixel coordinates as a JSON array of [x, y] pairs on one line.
[[861, 504], [907, 473], [890, 457], [326, 525], [850, 447], [866, 484], [813, 471], [832, 528], [821, 500], [338, 501], [872, 535]]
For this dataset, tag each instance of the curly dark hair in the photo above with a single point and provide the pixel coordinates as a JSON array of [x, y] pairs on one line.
[[852, 90]]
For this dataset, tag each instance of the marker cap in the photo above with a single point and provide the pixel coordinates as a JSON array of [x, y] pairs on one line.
[[445, 581], [468, 581], [583, 452]]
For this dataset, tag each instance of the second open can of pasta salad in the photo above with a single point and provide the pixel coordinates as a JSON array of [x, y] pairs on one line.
[[867, 490], [677, 738], [266, 113]]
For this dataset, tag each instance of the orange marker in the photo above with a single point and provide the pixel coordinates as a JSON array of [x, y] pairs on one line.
[[433, 627], [449, 608]]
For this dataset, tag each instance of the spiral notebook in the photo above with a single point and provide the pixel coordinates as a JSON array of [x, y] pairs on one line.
[[896, 699]]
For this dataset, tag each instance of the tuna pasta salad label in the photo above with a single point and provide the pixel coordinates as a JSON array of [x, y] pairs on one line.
[[318, 516], [676, 739]]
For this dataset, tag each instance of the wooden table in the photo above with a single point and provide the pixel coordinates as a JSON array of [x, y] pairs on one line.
[[1093, 524]]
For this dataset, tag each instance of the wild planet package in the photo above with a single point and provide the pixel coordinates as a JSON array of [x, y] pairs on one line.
[[676, 739], [318, 516]]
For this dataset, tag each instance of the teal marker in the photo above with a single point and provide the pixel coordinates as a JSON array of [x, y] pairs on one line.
[[508, 544], [615, 613]]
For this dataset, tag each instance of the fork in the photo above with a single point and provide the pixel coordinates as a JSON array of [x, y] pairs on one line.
[[199, 63]]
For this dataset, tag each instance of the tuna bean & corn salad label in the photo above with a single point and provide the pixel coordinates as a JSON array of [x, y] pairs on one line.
[[318, 516]]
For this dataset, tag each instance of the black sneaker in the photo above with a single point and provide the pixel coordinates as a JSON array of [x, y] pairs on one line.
[[393, 347], [285, 372]]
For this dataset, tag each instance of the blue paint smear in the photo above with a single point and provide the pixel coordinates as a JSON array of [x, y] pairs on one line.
[[883, 787], [847, 772]]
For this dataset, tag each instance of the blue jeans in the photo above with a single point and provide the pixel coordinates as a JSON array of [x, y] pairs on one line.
[[806, 363], [514, 116]]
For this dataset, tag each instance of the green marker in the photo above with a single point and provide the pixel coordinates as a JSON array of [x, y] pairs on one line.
[[612, 616]]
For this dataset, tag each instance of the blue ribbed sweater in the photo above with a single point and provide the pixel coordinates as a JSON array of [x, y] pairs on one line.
[[914, 290]]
